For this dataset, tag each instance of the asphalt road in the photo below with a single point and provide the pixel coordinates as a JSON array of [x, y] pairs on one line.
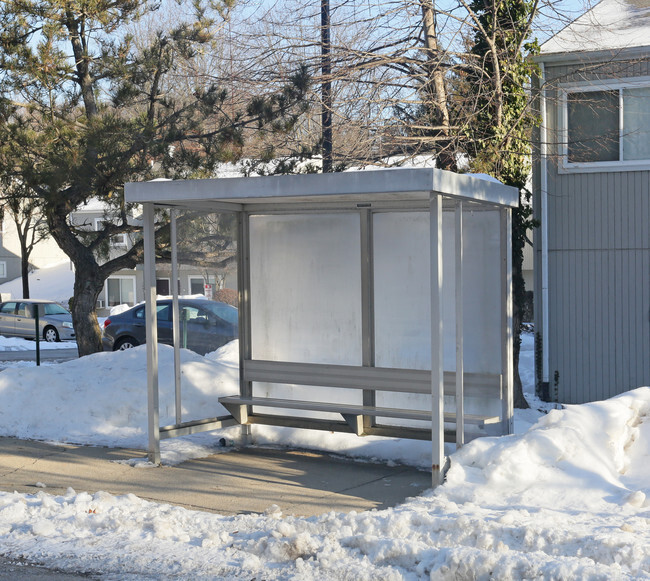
[[18, 569]]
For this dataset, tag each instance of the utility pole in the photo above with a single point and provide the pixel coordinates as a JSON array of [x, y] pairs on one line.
[[326, 87]]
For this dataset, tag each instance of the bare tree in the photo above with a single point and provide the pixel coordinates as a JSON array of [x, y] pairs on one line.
[[30, 223]]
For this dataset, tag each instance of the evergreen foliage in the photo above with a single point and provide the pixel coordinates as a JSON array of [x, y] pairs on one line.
[[499, 137], [86, 105]]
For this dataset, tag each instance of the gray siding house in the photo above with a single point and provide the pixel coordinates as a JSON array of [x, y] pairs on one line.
[[592, 197]]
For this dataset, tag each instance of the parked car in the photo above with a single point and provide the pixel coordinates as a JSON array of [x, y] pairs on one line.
[[205, 325], [17, 319]]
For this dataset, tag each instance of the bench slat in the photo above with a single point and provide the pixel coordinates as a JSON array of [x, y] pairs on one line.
[[350, 409], [374, 378]]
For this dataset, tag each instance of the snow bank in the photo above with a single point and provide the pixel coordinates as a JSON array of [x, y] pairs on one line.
[[568, 498], [579, 457], [565, 500], [54, 283], [101, 399]]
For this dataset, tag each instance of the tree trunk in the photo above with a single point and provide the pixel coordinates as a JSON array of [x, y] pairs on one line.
[[88, 282], [87, 285], [519, 296], [24, 272], [436, 88]]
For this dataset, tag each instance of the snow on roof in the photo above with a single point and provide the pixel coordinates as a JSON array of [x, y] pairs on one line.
[[609, 25]]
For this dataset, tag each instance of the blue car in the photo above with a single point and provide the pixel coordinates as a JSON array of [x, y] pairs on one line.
[[204, 326]]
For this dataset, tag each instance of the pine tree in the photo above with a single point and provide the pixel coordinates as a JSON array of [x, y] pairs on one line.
[[88, 106]]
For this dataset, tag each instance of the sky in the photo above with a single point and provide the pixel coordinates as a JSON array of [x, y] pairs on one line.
[[566, 497]]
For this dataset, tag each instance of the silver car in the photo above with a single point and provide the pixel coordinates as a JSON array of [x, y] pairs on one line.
[[18, 319]]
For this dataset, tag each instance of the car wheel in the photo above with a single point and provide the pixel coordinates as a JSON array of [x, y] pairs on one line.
[[50, 334], [125, 343]]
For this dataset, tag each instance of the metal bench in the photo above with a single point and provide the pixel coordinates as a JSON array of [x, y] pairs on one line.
[[360, 419]]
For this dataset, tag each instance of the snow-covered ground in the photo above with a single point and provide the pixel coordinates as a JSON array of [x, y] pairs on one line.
[[567, 497], [54, 283]]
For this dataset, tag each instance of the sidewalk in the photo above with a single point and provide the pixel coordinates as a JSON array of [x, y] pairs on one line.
[[247, 480]]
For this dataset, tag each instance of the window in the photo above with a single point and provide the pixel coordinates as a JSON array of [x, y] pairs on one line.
[[3, 269], [120, 290], [163, 313], [117, 239], [606, 128], [8, 308], [196, 285], [52, 309], [162, 286]]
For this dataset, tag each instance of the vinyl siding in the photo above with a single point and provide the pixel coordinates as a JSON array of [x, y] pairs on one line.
[[599, 272]]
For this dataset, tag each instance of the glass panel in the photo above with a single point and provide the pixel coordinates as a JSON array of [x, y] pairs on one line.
[[636, 123], [113, 289], [482, 291], [127, 290], [402, 282], [306, 288], [52, 309], [120, 291], [593, 130], [196, 286]]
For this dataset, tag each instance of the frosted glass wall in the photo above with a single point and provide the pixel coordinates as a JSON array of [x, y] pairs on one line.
[[306, 299], [306, 288], [482, 291], [403, 304], [402, 282]]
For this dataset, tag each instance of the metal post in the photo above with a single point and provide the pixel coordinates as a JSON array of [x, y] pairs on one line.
[[437, 377], [244, 283], [152, 332], [175, 325], [460, 377], [37, 336], [507, 336], [367, 307]]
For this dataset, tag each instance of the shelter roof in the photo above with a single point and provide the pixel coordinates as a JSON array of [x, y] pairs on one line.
[[347, 188]]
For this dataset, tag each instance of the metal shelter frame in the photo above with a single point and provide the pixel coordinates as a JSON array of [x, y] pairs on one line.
[[361, 192]]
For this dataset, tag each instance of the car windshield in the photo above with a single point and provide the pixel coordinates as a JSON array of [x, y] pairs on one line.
[[223, 311], [52, 309]]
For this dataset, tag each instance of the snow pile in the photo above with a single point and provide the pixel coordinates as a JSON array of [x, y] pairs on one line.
[[568, 498], [54, 283], [565, 500], [101, 399], [20, 344]]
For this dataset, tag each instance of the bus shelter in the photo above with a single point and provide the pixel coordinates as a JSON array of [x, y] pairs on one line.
[[370, 302]]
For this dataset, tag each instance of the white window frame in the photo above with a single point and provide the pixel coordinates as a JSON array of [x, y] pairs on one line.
[[121, 277], [115, 239], [563, 125], [3, 269]]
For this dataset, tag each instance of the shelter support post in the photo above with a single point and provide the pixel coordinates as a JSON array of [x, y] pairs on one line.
[[507, 334], [152, 333], [175, 316], [437, 377], [460, 375], [367, 309], [244, 284]]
